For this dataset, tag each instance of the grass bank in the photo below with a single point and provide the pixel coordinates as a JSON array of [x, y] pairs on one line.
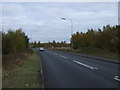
[[24, 75], [93, 52]]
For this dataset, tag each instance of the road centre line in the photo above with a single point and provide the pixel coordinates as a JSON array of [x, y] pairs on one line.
[[63, 56], [55, 53], [117, 78], [85, 65]]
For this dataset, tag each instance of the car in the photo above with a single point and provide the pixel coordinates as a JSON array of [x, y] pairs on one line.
[[41, 49]]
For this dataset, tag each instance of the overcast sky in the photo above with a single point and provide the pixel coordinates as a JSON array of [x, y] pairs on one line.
[[41, 21]]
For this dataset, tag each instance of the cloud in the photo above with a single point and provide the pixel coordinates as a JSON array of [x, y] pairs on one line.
[[45, 18]]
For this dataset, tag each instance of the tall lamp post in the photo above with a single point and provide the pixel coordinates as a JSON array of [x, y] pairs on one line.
[[31, 35], [71, 27]]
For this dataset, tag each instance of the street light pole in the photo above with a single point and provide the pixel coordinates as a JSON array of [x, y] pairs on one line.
[[31, 34], [71, 28]]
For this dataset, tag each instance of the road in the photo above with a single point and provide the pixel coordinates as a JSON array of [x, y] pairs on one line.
[[65, 70]]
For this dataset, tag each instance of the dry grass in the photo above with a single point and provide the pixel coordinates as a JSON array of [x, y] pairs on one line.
[[94, 52], [10, 60], [26, 75]]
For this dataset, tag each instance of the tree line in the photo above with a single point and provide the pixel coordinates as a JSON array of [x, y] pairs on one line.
[[14, 41], [49, 44], [106, 38]]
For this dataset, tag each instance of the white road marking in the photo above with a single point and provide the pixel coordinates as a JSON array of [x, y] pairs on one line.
[[55, 53], [63, 57], [41, 72], [85, 65], [117, 78], [95, 67]]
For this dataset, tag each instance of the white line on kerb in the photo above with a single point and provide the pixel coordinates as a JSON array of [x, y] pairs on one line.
[[117, 78], [41, 72], [63, 57], [85, 65]]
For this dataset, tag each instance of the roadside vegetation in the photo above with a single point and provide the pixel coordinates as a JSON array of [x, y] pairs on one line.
[[103, 39], [20, 64], [53, 44], [103, 42], [93, 52], [24, 75]]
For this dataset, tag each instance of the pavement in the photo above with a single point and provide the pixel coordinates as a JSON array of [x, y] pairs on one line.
[[67, 70]]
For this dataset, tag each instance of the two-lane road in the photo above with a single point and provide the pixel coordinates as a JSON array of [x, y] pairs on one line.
[[65, 70]]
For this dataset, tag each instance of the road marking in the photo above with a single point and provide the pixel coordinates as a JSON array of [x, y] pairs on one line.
[[85, 65], [55, 53], [117, 78], [41, 72], [63, 57], [95, 67]]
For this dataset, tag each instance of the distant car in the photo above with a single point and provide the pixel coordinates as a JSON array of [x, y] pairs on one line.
[[41, 49]]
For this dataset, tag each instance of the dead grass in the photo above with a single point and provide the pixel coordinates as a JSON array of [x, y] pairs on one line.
[[9, 61], [94, 52], [25, 76]]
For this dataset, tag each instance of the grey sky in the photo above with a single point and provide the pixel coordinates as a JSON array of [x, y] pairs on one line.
[[42, 21]]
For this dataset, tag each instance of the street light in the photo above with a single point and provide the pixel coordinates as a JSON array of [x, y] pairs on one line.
[[71, 27], [31, 34], [71, 24]]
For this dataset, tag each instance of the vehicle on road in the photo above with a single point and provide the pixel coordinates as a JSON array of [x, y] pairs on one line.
[[41, 49]]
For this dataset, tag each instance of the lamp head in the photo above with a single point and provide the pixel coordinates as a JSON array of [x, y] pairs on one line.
[[63, 18]]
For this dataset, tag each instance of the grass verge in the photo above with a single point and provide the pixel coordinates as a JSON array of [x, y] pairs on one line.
[[25, 75], [93, 52]]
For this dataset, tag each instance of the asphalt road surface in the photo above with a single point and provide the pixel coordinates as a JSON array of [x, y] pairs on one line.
[[65, 70]]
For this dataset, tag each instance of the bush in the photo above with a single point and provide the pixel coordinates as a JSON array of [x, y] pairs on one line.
[[106, 39], [14, 42]]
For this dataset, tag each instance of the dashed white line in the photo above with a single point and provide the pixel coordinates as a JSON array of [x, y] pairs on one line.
[[117, 78], [85, 65], [63, 57], [95, 67], [55, 53]]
